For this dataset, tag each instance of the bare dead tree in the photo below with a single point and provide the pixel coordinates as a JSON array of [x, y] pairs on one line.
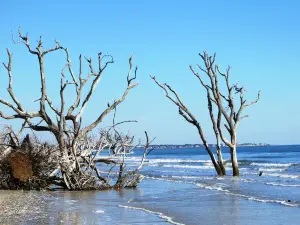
[[67, 127], [189, 117], [225, 103]]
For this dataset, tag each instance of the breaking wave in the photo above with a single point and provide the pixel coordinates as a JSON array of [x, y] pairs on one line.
[[220, 187], [188, 166], [273, 164], [251, 198], [283, 185], [177, 161], [272, 169]]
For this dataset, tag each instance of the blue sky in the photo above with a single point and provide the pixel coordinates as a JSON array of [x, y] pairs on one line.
[[259, 39]]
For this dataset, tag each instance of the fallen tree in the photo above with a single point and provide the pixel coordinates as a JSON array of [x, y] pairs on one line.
[[71, 162], [31, 164]]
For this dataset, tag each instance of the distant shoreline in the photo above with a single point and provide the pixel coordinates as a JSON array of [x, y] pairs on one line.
[[168, 146]]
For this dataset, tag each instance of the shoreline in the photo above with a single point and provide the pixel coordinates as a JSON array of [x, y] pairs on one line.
[[142, 206]]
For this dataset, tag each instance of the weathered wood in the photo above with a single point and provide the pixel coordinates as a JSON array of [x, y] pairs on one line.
[[66, 124], [189, 117], [232, 116]]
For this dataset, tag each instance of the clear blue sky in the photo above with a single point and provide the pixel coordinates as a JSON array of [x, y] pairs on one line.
[[259, 39]]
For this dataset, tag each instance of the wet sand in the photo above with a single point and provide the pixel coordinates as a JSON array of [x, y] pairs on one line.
[[154, 202], [22, 207]]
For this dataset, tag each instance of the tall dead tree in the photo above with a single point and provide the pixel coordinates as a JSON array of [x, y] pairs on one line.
[[227, 107], [67, 126], [189, 117]]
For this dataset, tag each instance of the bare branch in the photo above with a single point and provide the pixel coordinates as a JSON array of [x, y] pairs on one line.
[[255, 101], [200, 79], [110, 107], [25, 41], [55, 48]]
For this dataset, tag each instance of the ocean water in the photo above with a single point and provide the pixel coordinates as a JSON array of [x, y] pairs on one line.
[[276, 193], [180, 187]]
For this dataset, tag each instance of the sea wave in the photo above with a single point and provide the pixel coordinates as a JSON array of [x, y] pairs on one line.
[[252, 198], [178, 161], [213, 187], [227, 192], [208, 178], [169, 180], [250, 173], [99, 211], [159, 214], [272, 164], [272, 169], [283, 185], [183, 166], [191, 177], [170, 171], [133, 158]]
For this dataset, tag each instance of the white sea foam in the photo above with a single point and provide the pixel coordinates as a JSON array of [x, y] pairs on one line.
[[227, 192], [272, 169], [250, 173], [154, 161], [170, 171], [284, 185], [169, 180], [251, 198], [177, 161], [215, 188], [272, 164], [219, 187], [193, 177], [273, 174], [207, 178], [99, 211], [159, 214], [133, 159], [183, 166]]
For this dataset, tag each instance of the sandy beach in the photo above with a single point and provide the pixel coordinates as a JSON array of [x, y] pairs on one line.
[[154, 202]]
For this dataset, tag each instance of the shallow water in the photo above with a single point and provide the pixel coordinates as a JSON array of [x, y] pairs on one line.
[[180, 188], [60, 207]]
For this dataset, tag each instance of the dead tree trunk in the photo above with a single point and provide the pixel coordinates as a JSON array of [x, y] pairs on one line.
[[189, 117], [229, 112], [235, 165], [215, 98], [217, 164], [216, 131]]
